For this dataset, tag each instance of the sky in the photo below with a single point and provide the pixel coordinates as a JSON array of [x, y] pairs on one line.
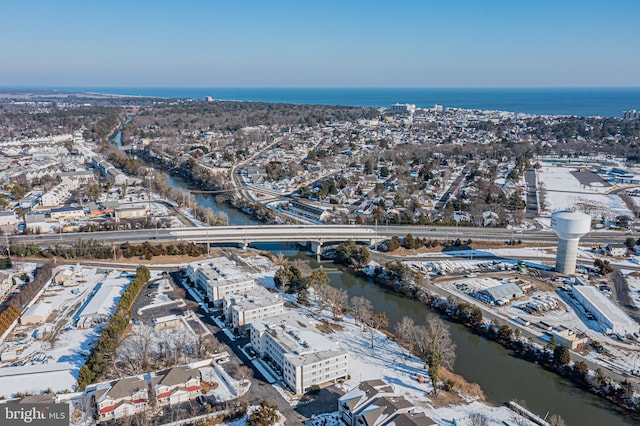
[[327, 43]]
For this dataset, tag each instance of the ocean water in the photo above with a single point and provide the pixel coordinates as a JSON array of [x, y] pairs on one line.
[[607, 102]]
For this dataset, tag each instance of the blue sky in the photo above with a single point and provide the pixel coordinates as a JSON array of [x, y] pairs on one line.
[[445, 43]]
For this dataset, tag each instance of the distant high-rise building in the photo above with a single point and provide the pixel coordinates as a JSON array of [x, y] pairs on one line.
[[632, 114], [438, 108], [208, 99], [403, 107]]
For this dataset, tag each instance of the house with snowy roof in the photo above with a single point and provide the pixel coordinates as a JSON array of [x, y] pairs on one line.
[[176, 385], [120, 398], [375, 403]]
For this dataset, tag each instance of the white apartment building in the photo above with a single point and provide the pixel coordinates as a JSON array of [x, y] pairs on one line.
[[242, 309], [220, 277], [304, 356]]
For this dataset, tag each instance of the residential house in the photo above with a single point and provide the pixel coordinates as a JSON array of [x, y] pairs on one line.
[[176, 385], [120, 398], [374, 403]]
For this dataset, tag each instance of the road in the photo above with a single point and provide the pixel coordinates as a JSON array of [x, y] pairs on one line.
[[260, 389], [317, 233], [532, 194]]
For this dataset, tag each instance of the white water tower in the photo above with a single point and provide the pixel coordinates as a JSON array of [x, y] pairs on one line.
[[569, 226]]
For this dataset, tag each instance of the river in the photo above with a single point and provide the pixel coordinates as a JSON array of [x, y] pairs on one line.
[[501, 376]]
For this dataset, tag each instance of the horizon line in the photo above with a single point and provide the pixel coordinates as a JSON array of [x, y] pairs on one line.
[[80, 87]]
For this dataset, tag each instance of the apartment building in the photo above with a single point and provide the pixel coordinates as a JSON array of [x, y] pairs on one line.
[[220, 277], [240, 310], [304, 357]]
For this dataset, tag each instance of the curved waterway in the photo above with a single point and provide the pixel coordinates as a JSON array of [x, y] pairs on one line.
[[501, 376]]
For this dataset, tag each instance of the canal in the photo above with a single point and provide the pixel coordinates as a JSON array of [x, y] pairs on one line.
[[501, 376]]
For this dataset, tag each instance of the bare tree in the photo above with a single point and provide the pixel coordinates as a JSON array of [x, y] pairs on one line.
[[377, 322], [478, 419], [338, 301], [361, 308], [434, 346], [244, 373], [403, 332]]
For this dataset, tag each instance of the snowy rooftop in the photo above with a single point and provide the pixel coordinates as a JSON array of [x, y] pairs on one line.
[[103, 302], [605, 306], [220, 271], [298, 334], [258, 297], [41, 309]]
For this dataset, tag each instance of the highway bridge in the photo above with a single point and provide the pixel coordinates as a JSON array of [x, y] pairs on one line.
[[314, 235]]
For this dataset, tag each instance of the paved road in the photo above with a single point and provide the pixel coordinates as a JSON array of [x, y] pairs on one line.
[[260, 389], [532, 194]]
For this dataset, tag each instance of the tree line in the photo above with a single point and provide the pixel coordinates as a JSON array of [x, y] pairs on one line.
[[103, 353]]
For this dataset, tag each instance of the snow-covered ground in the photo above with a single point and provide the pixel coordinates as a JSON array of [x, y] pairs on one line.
[[393, 364], [51, 354], [564, 191]]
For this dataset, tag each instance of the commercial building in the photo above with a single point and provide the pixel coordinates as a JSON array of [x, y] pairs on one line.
[[220, 277], [569, 338], [102, 304], [375, 402], [36, 314], [67, 212], [502, 293], [35, 222], [129, 212], [631, 115], [610, 316], [242, 309], [303, 356], [8, 217], [306, 210], [168, 321]]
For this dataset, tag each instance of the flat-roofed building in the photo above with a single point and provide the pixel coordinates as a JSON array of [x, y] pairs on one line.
[[36, 314], [129, 212], [306, 210], [304, 356], [8, 217], [610, 316], [35, 222], [220, 277], [569, 338], [67, 212], [242, 309]]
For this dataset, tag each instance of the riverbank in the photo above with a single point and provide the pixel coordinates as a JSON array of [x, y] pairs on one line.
[[501, 375], [619, 394]]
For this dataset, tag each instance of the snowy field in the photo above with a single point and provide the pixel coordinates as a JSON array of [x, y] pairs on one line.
[[51, 354], [564, 191]]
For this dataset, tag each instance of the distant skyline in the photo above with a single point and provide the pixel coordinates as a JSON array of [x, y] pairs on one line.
[[448, 44]]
